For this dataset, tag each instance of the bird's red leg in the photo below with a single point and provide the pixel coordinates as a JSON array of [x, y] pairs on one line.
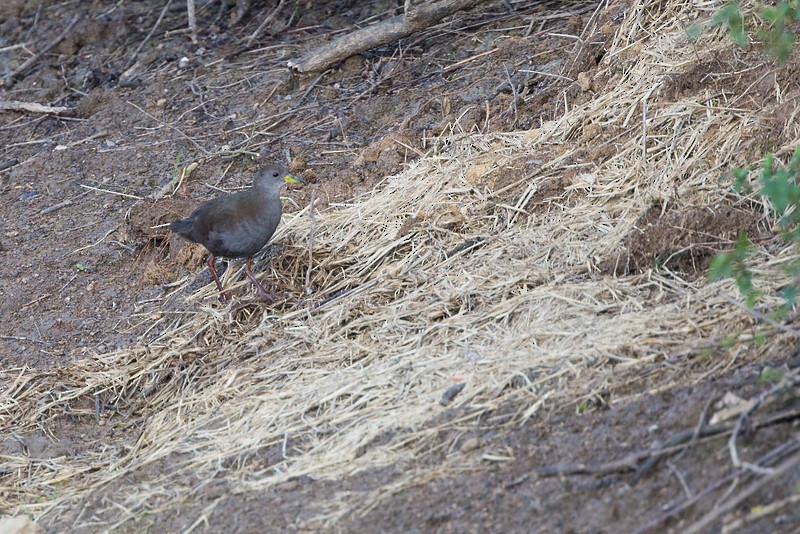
[[211, 268], [261, 290]]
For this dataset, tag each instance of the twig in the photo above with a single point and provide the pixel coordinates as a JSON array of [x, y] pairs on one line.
[[261, 26], [13, 47], [126, 195], [542, 73], [700, 422], [55, 207], [451, 393], [93, 244], [677, 442], [178, 131], [627, 463], [653, 460], [307, 91], [457, 64], [346, 292], [713, 515], [32, 107], [758, 512], [8, 164], [307, 288], [787, 382], [190, 13], [681, 479], [758, 315], [99, 134], [468, 244], [781, 450], [22, 338], [149, 35], [414, 19], [513, 91], [732, 441], [33, 59]]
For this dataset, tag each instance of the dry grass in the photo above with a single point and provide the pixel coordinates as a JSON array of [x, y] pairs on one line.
[[438, 276]]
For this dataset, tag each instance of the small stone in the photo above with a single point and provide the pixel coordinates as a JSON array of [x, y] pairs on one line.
[[470, 445], [20, 524], [585, 81]]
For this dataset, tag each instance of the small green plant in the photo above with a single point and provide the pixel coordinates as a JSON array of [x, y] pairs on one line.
[[732, 264], [706, 354], [731, 17], [176, 169], [782, 188], [769, 375], [779, 39], [777, 36], [80, 267]]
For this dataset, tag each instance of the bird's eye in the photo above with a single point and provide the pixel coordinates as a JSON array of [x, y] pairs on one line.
[[274, 174]]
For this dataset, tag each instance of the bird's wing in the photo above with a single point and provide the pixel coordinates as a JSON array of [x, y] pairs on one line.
[[219, 224]]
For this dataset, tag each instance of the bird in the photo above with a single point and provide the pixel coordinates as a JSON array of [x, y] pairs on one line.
[[240, 224]]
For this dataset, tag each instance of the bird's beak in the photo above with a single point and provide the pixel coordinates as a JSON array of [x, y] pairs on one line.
[[292, 179]]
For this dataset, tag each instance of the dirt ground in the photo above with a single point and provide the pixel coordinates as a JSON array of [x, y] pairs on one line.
[[86, 272]]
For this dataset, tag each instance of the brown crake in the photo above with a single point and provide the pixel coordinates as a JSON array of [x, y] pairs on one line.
[[240, 224]]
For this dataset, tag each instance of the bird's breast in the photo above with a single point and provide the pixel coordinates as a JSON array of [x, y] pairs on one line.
[[250, 232]]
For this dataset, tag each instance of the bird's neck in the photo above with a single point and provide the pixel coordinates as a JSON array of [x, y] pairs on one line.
[[266, 191]]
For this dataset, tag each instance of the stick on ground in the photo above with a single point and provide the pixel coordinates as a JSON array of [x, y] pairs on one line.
[[414, 19], [33, 59], [31, 107]]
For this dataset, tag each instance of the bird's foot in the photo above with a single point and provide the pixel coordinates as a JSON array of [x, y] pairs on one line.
[[263, 293], [261, 290]]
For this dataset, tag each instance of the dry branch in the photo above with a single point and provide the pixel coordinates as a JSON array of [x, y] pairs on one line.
[[135, 55], [33, 59], [787, 466], [677, 442], [263, 24], [414, 19], [32, 107], [8, 164], [190, 14], [784, 450]]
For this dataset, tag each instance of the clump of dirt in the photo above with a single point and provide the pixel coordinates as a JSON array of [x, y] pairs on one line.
[[684, 240]]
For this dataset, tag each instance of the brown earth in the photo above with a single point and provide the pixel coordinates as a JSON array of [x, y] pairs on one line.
[[87, 273]]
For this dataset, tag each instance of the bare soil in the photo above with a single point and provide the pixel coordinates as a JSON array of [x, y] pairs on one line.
[[86, 272]]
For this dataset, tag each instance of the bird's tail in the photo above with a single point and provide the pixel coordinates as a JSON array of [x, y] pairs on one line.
[[181, 226]]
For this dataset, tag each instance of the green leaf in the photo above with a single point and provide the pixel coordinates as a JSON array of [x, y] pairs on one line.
[[721, 266], [768, 374], [731, 17], [693, 32], [740, 179]]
